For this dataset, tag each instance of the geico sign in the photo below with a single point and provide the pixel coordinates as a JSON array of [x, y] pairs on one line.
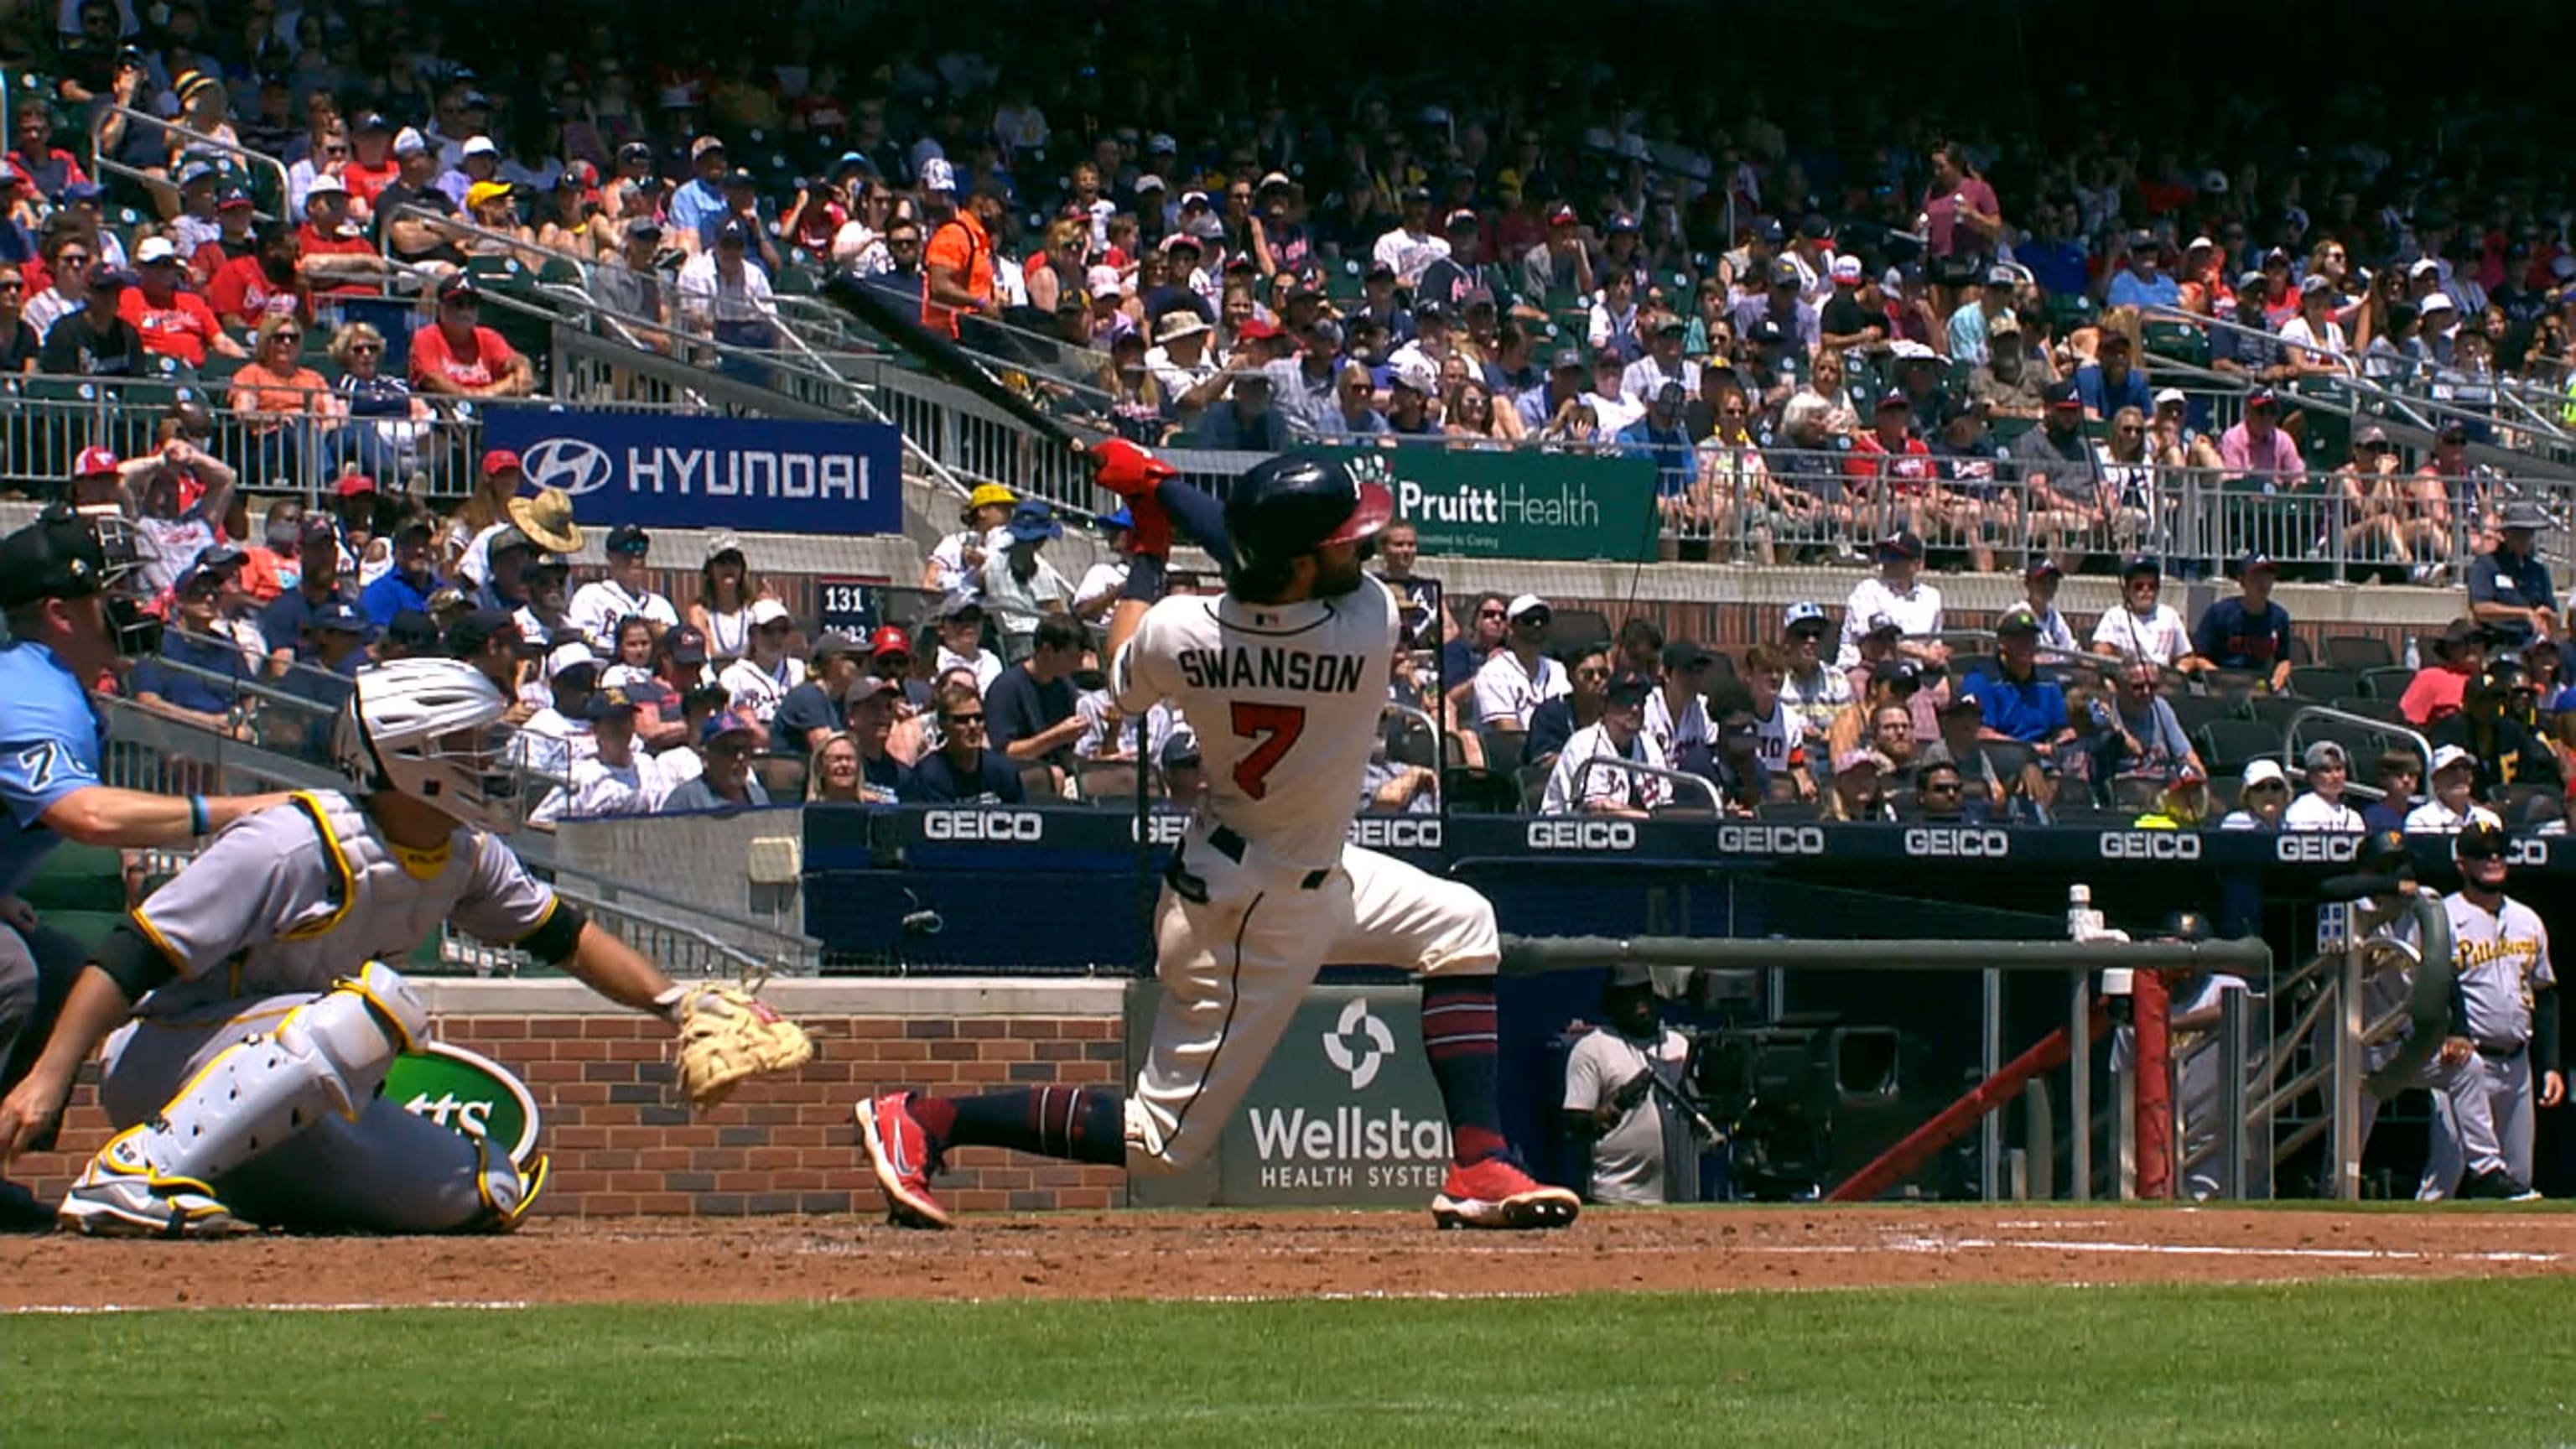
[[1770, 840], [983, 825], [2526, 852], [1160, 829], [1582, 835], [2150, 845], [1986, 844], [2316, 849], [1382, 832]]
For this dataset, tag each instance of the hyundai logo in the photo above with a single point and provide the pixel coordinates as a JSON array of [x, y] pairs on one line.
[[570, 464]]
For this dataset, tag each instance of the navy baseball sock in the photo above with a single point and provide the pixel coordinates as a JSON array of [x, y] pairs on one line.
[[1466, 1059], [1072, 1123]]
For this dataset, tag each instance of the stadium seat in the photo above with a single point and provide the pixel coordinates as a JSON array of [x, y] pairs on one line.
[[2273, 711], [1578, 628], [1106, 783], [2387, 682], [1531, 781], [2232, 744], [2382, 710], [2195, 710], [2321, 682], [2358, 651], [2177, 342], [1502, 747]]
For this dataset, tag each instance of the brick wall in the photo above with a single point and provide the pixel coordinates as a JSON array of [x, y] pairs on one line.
[[622, 1144]]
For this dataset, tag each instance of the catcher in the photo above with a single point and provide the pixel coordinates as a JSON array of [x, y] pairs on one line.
[[263, 1019]]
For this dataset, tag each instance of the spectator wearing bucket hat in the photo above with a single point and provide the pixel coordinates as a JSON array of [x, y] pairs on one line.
[[627, 591], [1896, 594], [2509, 587], [1020, 586], [955, 568], [2323, 807]]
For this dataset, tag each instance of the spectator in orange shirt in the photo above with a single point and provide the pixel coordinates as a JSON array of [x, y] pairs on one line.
[[173, 322], [957, 264], [458, 356], [265, 283], [282, 403]]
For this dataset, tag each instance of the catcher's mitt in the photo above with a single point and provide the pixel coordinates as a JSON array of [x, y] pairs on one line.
[[727, 1034]]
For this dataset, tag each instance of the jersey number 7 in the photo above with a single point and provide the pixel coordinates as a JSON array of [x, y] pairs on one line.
[[1277, 727]]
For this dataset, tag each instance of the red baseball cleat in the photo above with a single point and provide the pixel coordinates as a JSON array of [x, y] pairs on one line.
[[1495, 1193], [900, 1152]]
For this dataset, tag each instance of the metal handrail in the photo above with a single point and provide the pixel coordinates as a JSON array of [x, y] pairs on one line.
[[102, 164], [2290, 739], [1583, 774]]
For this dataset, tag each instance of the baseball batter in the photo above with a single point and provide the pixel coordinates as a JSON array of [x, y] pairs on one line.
[[1281, 678], [250, 1019], [2504, 1022]]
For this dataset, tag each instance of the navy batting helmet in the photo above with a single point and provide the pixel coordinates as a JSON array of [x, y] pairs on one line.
[[2387, 853], [1296, 503]]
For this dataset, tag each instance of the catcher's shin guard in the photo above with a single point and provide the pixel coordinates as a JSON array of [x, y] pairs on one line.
[[508, 1191], [328, 1055]]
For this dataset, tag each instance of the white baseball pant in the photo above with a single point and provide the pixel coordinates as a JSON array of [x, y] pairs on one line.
[[1234, 966], [2482, 1121]]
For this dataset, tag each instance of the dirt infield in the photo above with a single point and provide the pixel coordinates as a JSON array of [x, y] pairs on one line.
[[1217, 1255]]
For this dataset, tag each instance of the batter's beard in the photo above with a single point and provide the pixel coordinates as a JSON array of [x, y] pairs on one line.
[[1332, 580]]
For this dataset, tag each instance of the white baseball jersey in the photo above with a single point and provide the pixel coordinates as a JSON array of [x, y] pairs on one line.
[[1572, 786], [1506, 692], [1284, 701], [759, 688], [2502, 958], [2435, 818], [292, 898], [1676, 735], [1915, 611], [597, 606]]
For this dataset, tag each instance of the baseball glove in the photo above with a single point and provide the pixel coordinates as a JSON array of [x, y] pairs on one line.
[[728, 1034]]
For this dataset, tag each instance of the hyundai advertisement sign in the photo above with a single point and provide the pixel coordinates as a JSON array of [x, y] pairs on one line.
[[751, 474]]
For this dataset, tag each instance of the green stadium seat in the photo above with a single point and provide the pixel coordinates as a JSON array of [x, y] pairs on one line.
[[559, 272], [794, 282]]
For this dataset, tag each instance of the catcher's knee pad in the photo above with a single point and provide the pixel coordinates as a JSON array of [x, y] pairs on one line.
[[328, 1055]]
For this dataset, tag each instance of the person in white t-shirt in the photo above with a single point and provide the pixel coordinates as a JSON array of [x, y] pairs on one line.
[[2323, 807], [1577, 785], [955, 567], [755, 683], [2453, 807], [610, 781], [1098, 591], [1610, 1099], [961, 644], [597, 606], [2144, 626], [1519, 677], [1896, 595]]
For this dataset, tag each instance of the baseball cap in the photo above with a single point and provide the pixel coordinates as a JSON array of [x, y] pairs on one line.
[[317, 529], [1894, 397], [459, 287], [1847, 269], [938, 175], [1149, 182], [2166, 395], [154, 250], [1857, 759], [1904, 543], [340, 615], [1568, 359], [1562, 215], [475, 631], [483, 191], [732, 233], [2044, 568], [574, 655], [326, 184], [1682, 654], [1527, 604], [350, 485], [2323, 755], [2264, 772], [866, 687], [2000, 275], [643, 226], [687, 643], [2445, 756], [409, 142], [608, 704], [2263, 398], [629, 538], [2136, 564], [1901, 673], [94, 460], [2314, 284], [2258, 561], [889, 639], [412, 629], [2424, 267], [704, 144], [832, 645], [2019, 621], [741, 176], [499, 460], [764, 612], [2438, 302], [478, 146], [1629, 688], [1463, 216], [2063, 395], [726, 722], [1805, 611]]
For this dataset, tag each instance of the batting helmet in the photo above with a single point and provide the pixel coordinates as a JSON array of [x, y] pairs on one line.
[[2386, 853], [1296, 503]]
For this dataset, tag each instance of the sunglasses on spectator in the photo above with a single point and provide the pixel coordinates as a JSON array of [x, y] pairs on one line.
[[962, 720], [365, 349], [12, 284], [729, 749], [893, 663], [1494, 613]]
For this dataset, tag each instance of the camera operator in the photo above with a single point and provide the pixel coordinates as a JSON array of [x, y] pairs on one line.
[[1642, 1150]]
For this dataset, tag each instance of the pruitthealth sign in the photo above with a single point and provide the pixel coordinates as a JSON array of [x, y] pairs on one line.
[[1519, 505]]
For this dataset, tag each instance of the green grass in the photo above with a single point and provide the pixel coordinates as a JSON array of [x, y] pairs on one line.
[[2453, 1363]]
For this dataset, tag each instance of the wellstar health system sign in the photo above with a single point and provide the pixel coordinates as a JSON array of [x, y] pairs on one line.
[[1523, 504]]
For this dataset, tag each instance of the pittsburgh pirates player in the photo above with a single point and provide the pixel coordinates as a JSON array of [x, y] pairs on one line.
[[263, 1017], [1281, 678], [2505, 1017]]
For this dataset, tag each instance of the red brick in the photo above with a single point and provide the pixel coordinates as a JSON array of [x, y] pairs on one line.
[[554, 1027], [955, 1051], [982, 1028], [1032, 1028], [871, 1026], [598, 1204]]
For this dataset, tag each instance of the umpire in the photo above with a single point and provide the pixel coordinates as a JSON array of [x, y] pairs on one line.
[[64, 592]]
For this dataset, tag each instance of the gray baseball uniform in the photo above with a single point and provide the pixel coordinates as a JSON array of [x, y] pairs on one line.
[[280, 906], [2482, 1108]]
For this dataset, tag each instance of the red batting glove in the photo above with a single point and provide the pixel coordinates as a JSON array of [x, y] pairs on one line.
[[1152, 535], [1130, 472]]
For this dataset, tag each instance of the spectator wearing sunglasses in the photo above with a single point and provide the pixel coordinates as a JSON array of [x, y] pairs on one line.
[[725, 782], [964, 770]]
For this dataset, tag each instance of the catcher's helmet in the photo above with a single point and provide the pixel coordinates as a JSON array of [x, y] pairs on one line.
[[1296, 503], [430, 729]]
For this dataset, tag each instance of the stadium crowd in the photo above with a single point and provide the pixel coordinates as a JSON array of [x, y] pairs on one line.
[[1847, 331]]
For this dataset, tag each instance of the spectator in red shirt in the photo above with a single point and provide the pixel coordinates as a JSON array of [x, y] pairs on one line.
[[2436, 691], [333, 255], [372, 168], [266, 283], [48, 166], [458, 356], [173, 322], [1893, 469], [235, 217]]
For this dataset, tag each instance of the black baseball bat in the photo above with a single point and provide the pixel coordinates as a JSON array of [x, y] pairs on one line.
[[899, 322]]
